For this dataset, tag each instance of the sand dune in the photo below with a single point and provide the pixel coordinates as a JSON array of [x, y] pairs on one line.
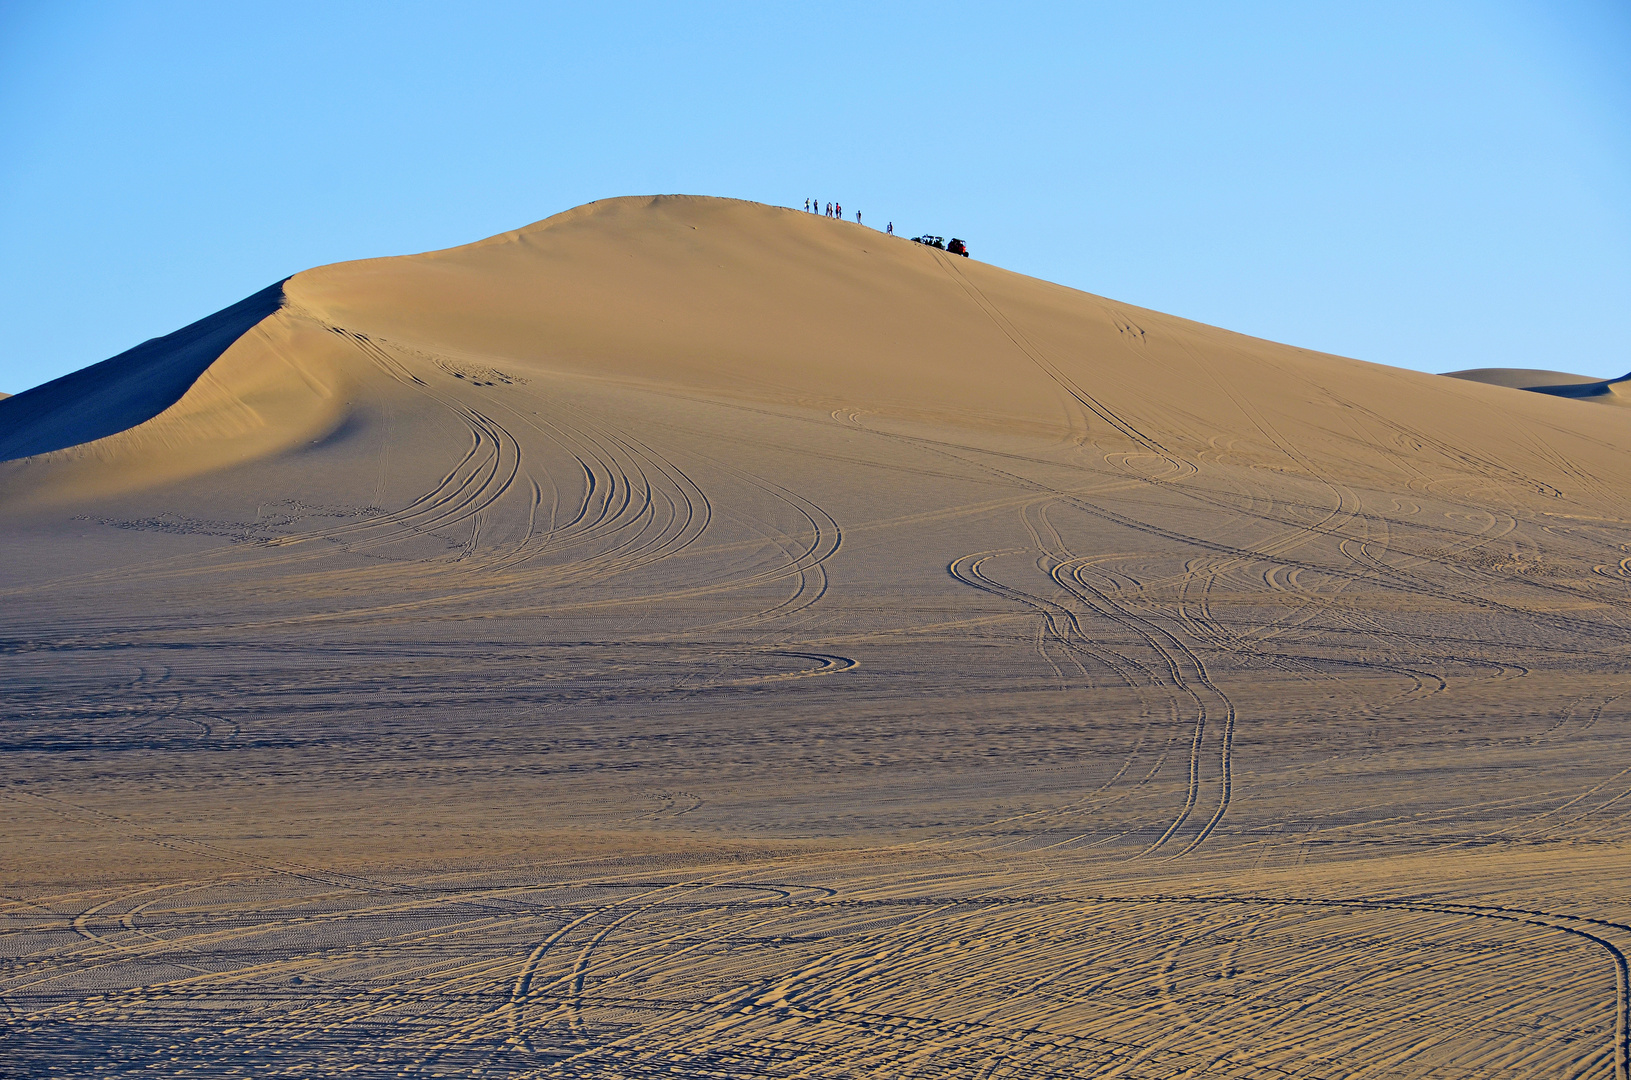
[[1556, 383], [691, 637], [1520, 378]]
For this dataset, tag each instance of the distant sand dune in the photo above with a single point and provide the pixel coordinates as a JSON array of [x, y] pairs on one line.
[[693, 638], [1519, 378], [1556, 383]]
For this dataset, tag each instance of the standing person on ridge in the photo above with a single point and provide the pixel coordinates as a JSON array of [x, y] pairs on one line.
[[857, 217], [891, 229], [806, 206]]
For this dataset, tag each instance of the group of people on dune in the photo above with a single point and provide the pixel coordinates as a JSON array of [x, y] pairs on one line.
[[836, 210]]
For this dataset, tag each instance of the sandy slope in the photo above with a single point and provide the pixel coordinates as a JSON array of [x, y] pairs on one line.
[[691, 637]]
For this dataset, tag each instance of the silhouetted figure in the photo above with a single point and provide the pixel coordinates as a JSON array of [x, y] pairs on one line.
[[857, 217], [891, 229]]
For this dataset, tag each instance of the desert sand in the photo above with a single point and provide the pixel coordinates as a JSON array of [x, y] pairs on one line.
[[693, 638]]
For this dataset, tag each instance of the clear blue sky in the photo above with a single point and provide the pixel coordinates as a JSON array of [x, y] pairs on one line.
[[1432, 185]]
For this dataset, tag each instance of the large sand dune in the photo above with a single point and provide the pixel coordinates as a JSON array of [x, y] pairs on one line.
[[685, 637]]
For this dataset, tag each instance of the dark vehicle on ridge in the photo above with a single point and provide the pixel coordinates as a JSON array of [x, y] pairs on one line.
[[956, 247]]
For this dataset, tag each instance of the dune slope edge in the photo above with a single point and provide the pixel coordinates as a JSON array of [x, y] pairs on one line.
[[131, 388]]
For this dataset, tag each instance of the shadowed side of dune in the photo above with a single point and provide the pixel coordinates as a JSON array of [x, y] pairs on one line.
[[1556, 383], [1604, 389], [129, 389]]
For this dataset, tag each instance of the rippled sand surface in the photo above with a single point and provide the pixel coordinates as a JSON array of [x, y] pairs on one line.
[[688, 638]]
